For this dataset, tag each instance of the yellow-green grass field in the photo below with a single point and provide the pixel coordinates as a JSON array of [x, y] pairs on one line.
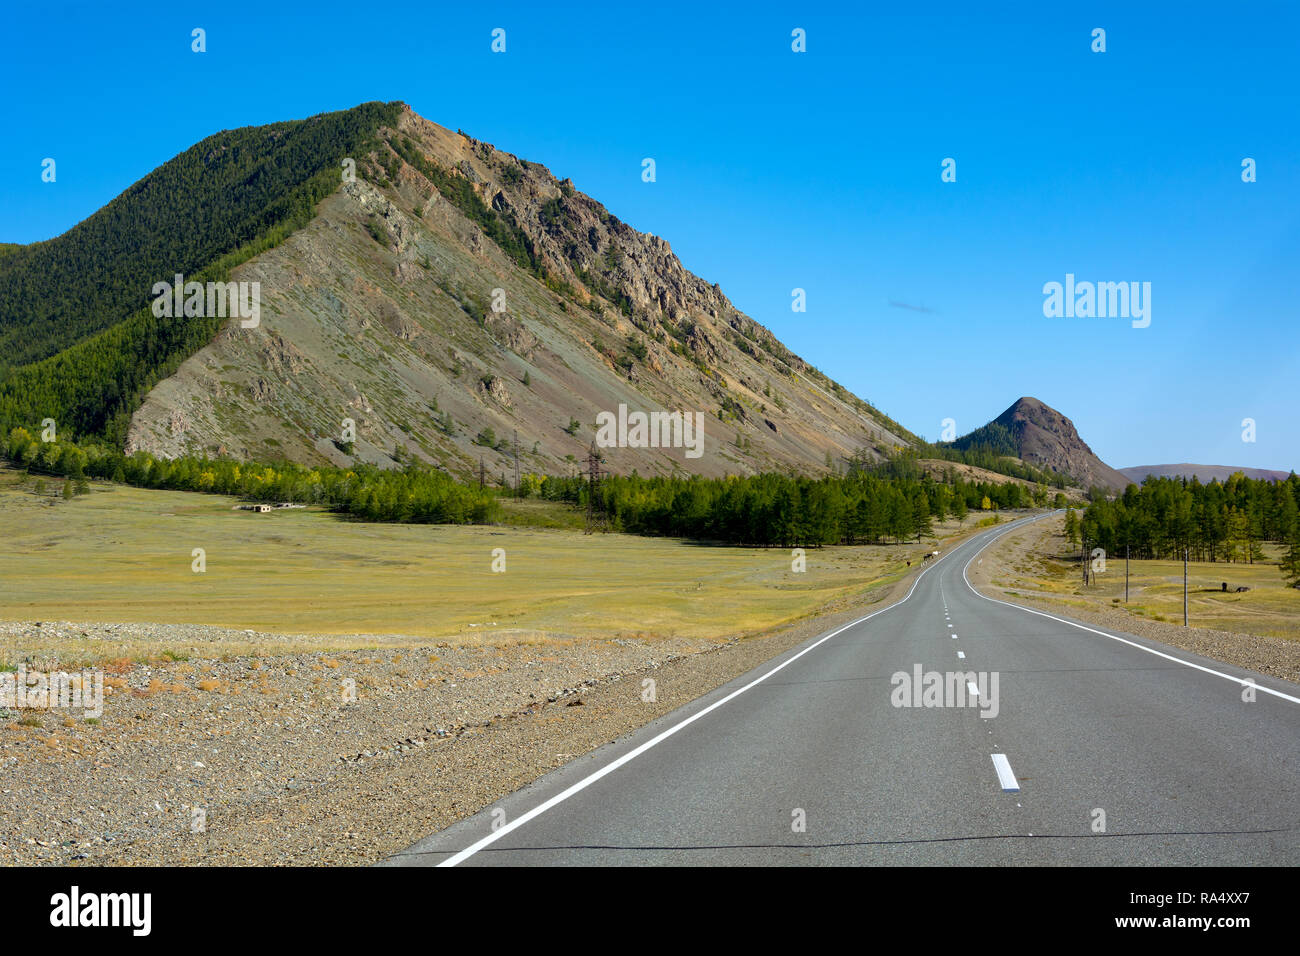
[[1040, 564], [122, 554]]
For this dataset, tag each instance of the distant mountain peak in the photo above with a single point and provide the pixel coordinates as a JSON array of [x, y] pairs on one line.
[[1038, 434]]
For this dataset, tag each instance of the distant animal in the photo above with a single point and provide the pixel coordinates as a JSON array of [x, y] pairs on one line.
[[929, 556], [1243, 588]]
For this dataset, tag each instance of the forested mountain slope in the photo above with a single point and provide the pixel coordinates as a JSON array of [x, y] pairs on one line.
[[379, 312]]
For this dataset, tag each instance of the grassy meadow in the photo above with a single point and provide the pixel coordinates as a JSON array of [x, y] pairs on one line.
[[1041, 564], [123, 554]]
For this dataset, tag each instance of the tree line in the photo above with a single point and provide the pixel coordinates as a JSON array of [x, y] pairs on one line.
[[890, 503], [415, 494], [783, 510], [1219, 521]]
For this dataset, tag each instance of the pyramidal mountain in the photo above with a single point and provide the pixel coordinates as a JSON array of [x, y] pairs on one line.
[[1041, 436], [439, 300]]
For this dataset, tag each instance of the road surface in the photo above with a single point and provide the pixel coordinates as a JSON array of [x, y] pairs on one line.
[[1105, 749]]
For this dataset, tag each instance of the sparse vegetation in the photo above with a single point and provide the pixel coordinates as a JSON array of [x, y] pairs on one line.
[[377, 231]]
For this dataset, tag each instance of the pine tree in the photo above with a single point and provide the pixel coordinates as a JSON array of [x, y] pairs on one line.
[[1072, 528], [1291, 562]]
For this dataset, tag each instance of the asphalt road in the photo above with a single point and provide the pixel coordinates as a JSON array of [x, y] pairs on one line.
[[1106, 749]]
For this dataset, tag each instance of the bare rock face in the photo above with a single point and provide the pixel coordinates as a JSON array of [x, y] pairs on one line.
[[511, 333], [358, 400], [1049, 440], [495, 390], [281, 356], [398, 323], [176, 423], [407, 270], [261, 391]]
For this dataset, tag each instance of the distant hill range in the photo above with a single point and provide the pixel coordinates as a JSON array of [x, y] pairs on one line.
[[1205, 473], [1041, 436]]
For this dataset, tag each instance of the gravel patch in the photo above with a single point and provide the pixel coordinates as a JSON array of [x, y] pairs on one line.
[[288, 769]]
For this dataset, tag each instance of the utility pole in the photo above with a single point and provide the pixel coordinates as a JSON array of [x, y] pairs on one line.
[[1184, 586], [1083, 560], [1125, 572], [593, 476], [516, 463], [481, 471]]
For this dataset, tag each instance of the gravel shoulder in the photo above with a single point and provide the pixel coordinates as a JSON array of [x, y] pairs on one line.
[[1274, 656], [287, 769]]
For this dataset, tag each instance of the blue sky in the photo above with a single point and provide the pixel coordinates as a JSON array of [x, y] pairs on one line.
[[818, 170]]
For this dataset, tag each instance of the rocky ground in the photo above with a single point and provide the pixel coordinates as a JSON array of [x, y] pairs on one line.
[[288, 769]]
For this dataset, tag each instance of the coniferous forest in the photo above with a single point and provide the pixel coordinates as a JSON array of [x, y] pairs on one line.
[[890, 502], [79, 342], [1219, 521]]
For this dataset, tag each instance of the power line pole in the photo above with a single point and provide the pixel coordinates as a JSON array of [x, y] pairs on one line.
[[593, 476], [516, 463], [481, 471], [1125, 572], [1184, 585]]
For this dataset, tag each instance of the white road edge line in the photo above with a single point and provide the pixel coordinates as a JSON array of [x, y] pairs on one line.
[[1244, 682], [1005, 777], [587, 781]]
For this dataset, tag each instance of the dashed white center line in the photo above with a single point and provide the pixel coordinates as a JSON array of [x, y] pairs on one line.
[[961, 655], [1005, 777], [954, 637], [972, 689]]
